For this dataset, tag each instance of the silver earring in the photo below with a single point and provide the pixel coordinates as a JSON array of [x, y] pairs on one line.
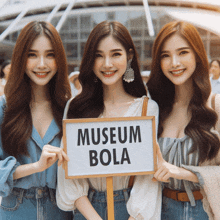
[[129, 73]]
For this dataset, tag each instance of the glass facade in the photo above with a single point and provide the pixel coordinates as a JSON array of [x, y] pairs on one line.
[[78, 26]]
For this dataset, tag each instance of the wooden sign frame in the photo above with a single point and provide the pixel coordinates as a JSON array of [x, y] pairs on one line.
[[94, 120]]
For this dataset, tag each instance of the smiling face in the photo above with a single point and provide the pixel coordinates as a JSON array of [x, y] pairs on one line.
[[178, 61], [110, 61], [41, 64]]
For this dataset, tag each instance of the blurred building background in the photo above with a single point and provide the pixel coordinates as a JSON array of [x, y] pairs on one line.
[[74, 19]]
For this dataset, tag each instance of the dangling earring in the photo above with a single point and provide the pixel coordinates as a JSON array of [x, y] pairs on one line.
[[129, 73]]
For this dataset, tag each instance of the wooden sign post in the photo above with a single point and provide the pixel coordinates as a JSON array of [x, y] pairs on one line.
[[110, 147], [110, 197]]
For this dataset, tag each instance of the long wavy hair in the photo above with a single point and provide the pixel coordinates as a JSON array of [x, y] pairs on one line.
[[162, 90], [17, 122], [89, 103]]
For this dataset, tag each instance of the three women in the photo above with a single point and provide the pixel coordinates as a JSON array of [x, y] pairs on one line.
[[31, 123]]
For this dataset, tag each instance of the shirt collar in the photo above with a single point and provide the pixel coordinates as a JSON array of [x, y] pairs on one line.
[[51, 132]]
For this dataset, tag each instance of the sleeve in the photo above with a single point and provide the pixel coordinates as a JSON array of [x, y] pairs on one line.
[[217, 110], [210, 184], [69, 190], [8, 164], [145, 199]]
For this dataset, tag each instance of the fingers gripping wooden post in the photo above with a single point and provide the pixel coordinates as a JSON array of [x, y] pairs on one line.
[[110, 198]]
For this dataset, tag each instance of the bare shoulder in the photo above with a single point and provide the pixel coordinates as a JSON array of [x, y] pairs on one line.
[[152, 108]]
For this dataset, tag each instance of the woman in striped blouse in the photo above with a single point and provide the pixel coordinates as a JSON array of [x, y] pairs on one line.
[[179, 83]]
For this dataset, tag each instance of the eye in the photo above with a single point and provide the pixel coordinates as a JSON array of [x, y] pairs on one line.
[[164, 55], [51, 55], [183, 52], [98, 55], [116, 54], [31, 54]]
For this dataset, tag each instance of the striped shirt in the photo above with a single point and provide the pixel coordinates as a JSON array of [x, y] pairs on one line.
[[176, 152]]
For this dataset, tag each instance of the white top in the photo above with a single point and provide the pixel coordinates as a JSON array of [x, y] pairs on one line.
[[145, 198]]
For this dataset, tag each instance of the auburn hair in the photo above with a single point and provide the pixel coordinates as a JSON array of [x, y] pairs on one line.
[[162, 90], [89, 103], [17, 122]]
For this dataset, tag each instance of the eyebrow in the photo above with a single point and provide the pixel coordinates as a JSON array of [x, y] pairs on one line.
[[114, 50], [181, 48]]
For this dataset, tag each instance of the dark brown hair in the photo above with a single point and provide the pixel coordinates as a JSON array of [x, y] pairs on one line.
[[162, 90], [17, 123], [89, 103]]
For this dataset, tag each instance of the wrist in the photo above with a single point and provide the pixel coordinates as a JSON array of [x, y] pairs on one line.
[[37, 167], [188, 175]]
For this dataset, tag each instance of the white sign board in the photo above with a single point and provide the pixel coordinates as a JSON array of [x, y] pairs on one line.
[[108, 147]]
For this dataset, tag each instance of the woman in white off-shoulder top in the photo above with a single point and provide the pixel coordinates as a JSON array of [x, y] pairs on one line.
[[111, 87]]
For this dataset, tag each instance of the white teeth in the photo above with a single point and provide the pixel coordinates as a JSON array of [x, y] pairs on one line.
[[108, 73], [41, 74], [177, 72]]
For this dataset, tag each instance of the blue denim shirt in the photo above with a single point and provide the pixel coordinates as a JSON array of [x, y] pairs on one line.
[[35, 144]]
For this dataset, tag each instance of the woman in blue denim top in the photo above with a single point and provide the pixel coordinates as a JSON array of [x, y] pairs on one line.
[[31, 125]]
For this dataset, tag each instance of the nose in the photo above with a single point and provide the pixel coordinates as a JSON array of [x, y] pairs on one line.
[[42, 62], [175, 61], [107, 62]]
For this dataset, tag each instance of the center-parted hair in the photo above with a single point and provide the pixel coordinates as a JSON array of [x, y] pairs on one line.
[[163, 92], [17, 122], [89, 103]]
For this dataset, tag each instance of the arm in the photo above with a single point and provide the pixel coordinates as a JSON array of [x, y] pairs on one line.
[[49, 156], [145, 199], [72, 194], [84, 206], [167, 170]]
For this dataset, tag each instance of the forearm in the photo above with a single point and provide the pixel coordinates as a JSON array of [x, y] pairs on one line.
[[25, 170], [86, 209], [188, 175]]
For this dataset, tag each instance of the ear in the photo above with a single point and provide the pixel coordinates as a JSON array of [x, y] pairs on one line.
[[130, 54]]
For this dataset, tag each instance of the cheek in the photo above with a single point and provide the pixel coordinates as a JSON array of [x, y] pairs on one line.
[[164, 65], [122, 63], [53, 65], [95, 66], [29, 64], [192, 63]]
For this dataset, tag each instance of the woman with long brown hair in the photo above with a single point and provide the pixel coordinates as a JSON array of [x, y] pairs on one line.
[[111, 87], [179, 83], [31, 125]]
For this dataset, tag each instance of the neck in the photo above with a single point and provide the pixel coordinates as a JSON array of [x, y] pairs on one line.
[[40, 94], [114, 93]]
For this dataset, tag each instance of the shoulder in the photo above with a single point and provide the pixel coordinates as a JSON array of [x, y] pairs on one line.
[[67, 108], [152, 106], [2, 102], [215, 102], [2, 107]]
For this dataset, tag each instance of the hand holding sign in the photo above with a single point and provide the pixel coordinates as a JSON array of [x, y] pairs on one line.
[[165, 169], [49, 156]]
